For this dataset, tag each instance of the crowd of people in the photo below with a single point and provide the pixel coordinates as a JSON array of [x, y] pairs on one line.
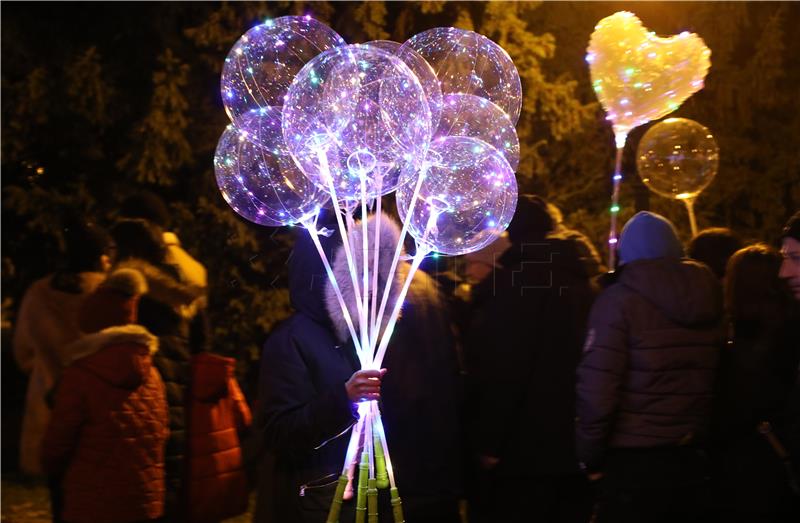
[[535, 387]]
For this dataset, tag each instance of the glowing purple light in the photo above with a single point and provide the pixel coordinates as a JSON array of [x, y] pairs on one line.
[[467, 62], [250, 69], [464, 186]]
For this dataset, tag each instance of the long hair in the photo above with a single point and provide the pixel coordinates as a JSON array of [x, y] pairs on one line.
[[754, 294]]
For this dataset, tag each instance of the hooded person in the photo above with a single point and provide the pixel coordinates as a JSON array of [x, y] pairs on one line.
[[646, 377], [523, 348], [308, 385], [106, 436]]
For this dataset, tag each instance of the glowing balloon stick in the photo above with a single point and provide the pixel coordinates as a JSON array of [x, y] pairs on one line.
[[398, 249], [326, 173], [352, 447], [397, 503], [620, 139], [690, 209], [422, 251], [382, 438], [374, 304], [311, 226], [368, 440], [365, 342]]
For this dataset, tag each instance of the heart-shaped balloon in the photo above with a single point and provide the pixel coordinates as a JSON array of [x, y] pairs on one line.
[[638, 76]]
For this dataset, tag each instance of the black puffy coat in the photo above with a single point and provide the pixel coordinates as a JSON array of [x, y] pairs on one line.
[[522, 351], [303, 414], [647, 373]]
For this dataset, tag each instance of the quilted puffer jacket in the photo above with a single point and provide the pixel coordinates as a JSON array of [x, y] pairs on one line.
[[647, 372], [108, 429], [217, 410]]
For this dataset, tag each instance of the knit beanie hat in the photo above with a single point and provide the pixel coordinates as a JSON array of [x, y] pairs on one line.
[[792, 228], [647, 236], [115, 302]]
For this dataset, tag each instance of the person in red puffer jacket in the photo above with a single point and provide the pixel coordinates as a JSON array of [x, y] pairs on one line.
[[217, 482], [108, 428]]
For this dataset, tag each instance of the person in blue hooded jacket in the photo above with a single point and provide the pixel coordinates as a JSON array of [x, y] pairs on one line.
[[646, 379]]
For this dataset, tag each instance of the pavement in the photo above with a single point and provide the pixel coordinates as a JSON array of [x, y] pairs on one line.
[[26, 501]]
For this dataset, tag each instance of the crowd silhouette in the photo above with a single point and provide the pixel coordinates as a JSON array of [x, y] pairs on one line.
[[537, 386]]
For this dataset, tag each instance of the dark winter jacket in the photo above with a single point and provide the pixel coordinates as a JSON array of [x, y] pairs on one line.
[[160, 311], [304, 414], [217, 481], [523, 350], [647, 373], [757, 373], [108, 428]]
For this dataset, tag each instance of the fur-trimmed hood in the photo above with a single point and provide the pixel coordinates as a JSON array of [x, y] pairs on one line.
[[120, 355], [388, 237]]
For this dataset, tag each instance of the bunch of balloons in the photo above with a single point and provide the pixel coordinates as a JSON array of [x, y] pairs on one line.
[[639, 77], [316, 122]]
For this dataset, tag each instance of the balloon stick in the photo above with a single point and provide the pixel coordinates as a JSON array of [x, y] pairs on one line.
[[361, 497], [381, 435], [311, 226], [364, 322], [422, 251], [617, 179], [336, 505], [398, 249], [375, 266], [689, 202], [323, 164]]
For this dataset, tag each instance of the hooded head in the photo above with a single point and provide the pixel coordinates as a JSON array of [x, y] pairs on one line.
[[532, 220], [714, 246], [648, 236], [114, 303]]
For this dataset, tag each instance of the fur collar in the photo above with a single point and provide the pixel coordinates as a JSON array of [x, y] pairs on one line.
[[91, 343], [389, 236]]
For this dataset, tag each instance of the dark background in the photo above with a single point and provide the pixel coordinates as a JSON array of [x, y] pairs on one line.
[[102, 99]]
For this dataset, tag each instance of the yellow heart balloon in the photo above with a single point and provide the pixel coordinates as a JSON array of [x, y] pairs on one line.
[[638, 76]]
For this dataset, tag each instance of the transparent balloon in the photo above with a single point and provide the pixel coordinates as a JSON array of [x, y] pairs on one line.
[[638, 76], [469, 63], [471, 190], [357, 112], [677, 158], [421, 68], [468, 115], [257, 176], [262, 64]]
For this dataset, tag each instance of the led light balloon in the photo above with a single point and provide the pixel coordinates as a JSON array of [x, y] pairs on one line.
[[469, 63], [468, 115], [262, 64], [638, 76], [354, 112], [421, 68], [677, 158], [256, 174], [471, 187]]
